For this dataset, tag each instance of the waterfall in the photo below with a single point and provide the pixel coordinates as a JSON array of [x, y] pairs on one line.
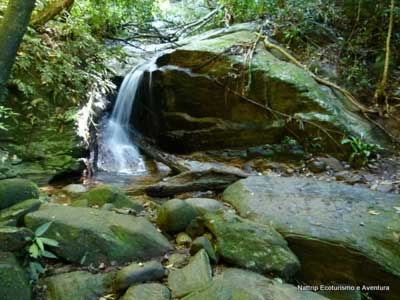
[[116, 150]]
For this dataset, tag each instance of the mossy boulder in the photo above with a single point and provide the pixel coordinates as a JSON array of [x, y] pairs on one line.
[[14, 283], [175, 215], [103, 194], [204, 205], [14, 215], [250, 245], [340, 233], [245, 285], [89, 235], [148, 291], [197, 102], [13, 238], [80, 285], [16, 190]]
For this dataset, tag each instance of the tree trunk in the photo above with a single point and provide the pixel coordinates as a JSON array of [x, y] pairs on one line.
[[12, 30], [52, 10]]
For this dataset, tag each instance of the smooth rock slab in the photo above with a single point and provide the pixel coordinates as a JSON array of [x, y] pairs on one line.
[[14, 283], [236, 284], [195, 276], [89, 235], [340, 233], [250, 245], [148, 291], [78, 285]]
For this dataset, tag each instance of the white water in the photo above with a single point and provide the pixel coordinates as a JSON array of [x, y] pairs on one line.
[[117, 152]]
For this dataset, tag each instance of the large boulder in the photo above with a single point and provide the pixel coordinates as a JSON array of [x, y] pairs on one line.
[[253, 246], [195, 100], [14, 214], [245, 285], [15, 190], [80, 285], [89, 235], [340, 233], [14, 283], [147, 291]]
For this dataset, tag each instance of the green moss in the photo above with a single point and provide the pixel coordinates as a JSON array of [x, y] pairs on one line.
[[16, 190]]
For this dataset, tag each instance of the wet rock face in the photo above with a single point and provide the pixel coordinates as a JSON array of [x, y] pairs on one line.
[[191, 104], [340, 233], [96, 236]]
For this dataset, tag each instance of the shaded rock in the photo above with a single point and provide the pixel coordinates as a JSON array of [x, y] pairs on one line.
[[316, 166], [246, 285], [175, 215], [15, 190], [178, 260], [332, 163], [78, 285], [204, 243], [15, 214], [195, 228], [192, 108], [14, 283], [13, 238], [89, 235], [103, 194], [148, 291], [182, 239], [337, 231], [251, 245], [75, 188], [204, 205], [138, 273], [195, 276]]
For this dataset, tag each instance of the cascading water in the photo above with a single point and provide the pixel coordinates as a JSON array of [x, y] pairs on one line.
[[116, 150]]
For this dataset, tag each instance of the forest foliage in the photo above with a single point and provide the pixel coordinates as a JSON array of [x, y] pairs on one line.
[[59, 62]]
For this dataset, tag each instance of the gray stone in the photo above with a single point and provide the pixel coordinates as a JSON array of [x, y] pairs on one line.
[[195, 276], [75, 188], [148, 291], [236, 284], [178, 260], [204, 243], [89, 235], [138, 273], [204, 205], [78, 285], [15, 190], [14, 283], [250, 245], [175, 215], [336, 230]]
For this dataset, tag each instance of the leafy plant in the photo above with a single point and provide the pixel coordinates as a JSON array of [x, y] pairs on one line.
[[37, 250], [361, 151]]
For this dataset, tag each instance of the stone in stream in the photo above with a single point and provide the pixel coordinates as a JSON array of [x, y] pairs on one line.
[[175, 215], [204, 243], [14, 215], [195, 276], [250, 245], [13, 238], [138, 273], [88, 235], [148, 291], [79, 285], [75, 188], [197, 105], [340, 233], [104, 194], [14, 283], [245, 285], [15, 190]]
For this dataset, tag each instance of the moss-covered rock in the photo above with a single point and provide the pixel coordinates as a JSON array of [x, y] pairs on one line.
[[195, 276], [103, 194], [204, 205], [14, 283], [340, 233], [78, 285], [15, 190], [89, 235], [250, 245], [193, 106], [13, 238], [14, 215], [175, 215], [148, 291], [245, 285]]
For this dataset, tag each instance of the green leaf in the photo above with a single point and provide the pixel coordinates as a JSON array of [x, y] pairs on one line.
[[42, 228], [48, 254], [49, 242], [33, 251], [40, 244]]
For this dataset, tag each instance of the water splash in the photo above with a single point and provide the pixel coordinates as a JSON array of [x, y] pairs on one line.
[[117, 152]]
